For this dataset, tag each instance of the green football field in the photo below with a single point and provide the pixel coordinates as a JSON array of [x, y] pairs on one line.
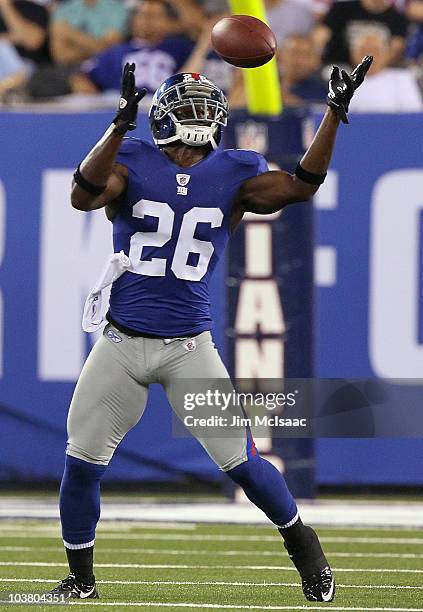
[[215, 567]]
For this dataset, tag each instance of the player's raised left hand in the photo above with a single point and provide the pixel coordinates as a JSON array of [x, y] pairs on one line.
[[126, 117], [343, 85]]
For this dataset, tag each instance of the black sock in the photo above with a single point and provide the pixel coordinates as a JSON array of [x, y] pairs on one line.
[[304, 548], [81, 564], [293, 534]]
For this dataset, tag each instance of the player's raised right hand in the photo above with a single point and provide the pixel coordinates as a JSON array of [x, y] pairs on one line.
[[126, 117], [343, 85]]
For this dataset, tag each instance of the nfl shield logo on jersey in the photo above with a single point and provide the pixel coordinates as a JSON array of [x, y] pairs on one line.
[[182, 180]]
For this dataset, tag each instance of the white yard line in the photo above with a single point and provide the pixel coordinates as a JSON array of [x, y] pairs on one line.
[[219, 583], [151, 604], [214, 553], [339, 513], [222, 538], [287, 568], [106, 526]]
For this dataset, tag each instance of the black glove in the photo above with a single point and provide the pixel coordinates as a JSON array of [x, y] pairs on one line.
[[343, 85], [126, 117]]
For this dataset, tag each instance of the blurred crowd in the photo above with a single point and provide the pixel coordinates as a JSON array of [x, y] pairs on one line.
[[77, 48]]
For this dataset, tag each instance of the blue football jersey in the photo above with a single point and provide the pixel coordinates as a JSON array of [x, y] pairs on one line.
[[174, 225]]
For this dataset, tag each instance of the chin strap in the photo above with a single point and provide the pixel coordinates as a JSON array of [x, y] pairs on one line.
[[196, 135], [185, 134]]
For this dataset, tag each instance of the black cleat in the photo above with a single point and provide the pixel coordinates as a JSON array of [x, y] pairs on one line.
[[319, 587], [69, 588], [308, 557]]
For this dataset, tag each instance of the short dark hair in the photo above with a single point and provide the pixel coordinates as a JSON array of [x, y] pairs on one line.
[[170, 11]]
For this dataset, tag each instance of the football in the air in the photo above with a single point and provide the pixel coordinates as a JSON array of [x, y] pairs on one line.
[[244, 41]]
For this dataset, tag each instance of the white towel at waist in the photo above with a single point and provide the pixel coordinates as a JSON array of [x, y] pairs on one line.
[[92, 318]]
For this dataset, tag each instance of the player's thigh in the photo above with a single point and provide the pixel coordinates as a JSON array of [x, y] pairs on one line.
[[108, 400], [198, 386]]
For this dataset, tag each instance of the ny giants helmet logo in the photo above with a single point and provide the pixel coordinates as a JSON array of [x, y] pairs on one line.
[[195, 76]]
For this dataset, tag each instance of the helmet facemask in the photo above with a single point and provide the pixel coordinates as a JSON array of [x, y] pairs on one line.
[[197, 109]]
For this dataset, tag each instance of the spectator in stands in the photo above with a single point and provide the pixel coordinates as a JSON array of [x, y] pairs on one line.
[[156, 53], [24, 24], [191, 16], [387, 89], [300, 80], [323, 6], [346, 20], [82, 28], [13, 70], [299, 65], [320, 8], [287, 17], [205, 60], [414, 12], [214, 7]]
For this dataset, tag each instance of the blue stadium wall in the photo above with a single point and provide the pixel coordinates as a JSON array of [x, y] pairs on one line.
[[368, 295]]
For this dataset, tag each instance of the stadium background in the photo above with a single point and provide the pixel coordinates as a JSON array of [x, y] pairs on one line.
[[366, 308]]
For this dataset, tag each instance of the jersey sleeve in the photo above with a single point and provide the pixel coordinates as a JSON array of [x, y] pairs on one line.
[[128, 152], [262, 165], [253, 160]]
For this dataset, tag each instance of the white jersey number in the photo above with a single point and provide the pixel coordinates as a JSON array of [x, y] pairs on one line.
[[185, 245], [166, 216]]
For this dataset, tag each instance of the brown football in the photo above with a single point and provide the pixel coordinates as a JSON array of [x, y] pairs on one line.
[[243, 41]]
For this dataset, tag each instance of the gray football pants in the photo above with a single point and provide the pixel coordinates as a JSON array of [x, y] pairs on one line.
[[111, 393]]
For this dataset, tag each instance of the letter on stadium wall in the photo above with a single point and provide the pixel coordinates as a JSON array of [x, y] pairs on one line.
[[258, 250], [262, 359], [74, 247], [259, 308], [397, 205]]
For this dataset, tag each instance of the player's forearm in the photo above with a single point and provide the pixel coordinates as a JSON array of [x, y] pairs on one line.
[[97, 168], [318, 156], [98, 164], [272, 191]]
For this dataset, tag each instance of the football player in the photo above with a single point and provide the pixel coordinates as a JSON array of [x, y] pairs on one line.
[[173, 206]]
